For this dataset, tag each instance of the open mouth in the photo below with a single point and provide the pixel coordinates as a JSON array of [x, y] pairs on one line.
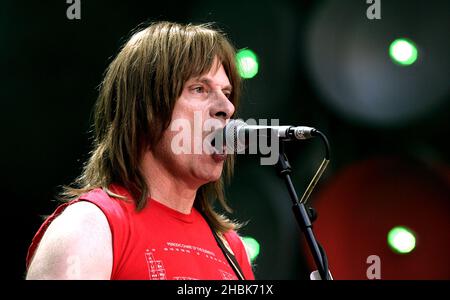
[[216, 147]]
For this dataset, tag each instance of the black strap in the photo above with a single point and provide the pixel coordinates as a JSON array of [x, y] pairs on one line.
[[230, 257]]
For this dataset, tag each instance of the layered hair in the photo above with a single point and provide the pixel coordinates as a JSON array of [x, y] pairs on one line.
[[135, 105]]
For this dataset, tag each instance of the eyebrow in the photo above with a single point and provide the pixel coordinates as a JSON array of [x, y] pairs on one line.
[[209, 82]]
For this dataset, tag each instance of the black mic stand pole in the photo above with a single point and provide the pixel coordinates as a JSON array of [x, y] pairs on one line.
[[300, 212]]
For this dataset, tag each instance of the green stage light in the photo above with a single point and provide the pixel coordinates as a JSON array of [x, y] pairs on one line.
[[252, 247], [247, 63], [403, 52], [401, 239]]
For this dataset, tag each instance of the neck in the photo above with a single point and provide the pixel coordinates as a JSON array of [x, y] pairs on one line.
[[167, 188]]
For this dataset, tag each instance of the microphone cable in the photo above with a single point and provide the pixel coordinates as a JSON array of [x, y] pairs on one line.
[[311, 187], [320, 170]]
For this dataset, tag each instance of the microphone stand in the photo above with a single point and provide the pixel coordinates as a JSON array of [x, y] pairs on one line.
[[301, 214]]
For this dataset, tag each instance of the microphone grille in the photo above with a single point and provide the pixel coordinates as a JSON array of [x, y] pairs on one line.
[[235, 143]]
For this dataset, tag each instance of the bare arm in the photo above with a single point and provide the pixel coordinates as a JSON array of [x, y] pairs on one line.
[[76, 245]]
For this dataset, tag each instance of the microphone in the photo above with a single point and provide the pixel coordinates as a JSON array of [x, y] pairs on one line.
[[237, 134]]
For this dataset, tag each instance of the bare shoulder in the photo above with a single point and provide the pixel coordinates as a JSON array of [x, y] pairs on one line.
[[76, 245]]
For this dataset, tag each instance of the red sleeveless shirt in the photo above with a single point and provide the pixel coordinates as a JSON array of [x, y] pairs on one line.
[[158, 242]]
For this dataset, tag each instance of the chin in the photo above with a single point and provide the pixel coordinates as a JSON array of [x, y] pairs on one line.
[[208, 171], [209, 176]]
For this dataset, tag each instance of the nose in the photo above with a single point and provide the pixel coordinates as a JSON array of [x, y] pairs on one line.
[[222, 107]]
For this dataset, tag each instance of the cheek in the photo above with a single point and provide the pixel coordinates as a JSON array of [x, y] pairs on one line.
[[164, 150], [185, 105], [191, 110]]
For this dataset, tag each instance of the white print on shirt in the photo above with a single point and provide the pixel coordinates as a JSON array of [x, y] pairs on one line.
[[177, 247], [226, 275], [156, 269], [189, 247]]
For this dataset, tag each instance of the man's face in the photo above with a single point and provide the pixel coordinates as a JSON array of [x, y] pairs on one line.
[[202, 107]]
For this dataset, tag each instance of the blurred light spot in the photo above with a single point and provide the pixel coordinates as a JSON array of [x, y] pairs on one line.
[[247, 63], [252, 247], [401, 240], [403, 52]]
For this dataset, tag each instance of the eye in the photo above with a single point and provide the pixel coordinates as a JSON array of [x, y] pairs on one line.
[[198, 89], [227, 94]]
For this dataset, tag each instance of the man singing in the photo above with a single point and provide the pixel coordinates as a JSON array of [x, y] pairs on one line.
[[140, 209]]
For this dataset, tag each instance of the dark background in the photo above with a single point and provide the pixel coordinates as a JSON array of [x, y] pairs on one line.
[[322, 64]]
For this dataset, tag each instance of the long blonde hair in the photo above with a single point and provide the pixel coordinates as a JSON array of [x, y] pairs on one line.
[[135, 104]]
